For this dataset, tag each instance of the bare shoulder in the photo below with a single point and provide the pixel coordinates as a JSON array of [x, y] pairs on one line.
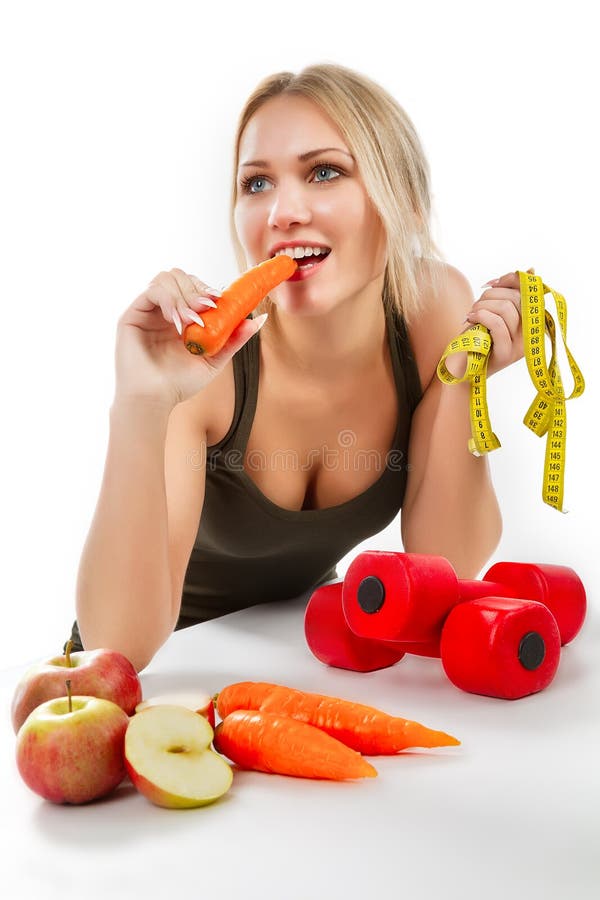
[[446, 297]]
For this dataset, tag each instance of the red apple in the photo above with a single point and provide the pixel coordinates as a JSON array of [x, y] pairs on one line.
[[198, 701], [71, 749], [105, 674]]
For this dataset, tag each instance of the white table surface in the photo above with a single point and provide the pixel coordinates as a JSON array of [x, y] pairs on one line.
[[512, 813]]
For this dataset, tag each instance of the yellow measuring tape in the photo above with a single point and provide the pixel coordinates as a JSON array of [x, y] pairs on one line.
[[547, 413]]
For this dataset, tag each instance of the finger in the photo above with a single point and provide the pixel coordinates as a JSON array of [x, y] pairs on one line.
[[158, 294], [188, 303], [189, 287], [185, 284], [506, 305], [502, 340], [177, 321], [203, 288], [164, 291], [510, 279], [505, 293], [195, 315]]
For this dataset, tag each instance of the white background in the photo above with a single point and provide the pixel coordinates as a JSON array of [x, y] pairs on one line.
[[115, 163]]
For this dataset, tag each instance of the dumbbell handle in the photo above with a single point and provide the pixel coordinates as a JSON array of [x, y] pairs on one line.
[[473, 590]]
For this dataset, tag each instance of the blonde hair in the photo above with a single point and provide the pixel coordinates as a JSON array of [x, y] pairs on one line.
[[391, 162]]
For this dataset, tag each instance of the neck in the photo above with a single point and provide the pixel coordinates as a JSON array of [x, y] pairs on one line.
[[346, 341]]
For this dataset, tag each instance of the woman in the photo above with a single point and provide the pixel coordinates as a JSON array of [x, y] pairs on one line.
[[244, 478]]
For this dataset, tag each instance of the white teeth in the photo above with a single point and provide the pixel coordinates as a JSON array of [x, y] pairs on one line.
[[301, 252]]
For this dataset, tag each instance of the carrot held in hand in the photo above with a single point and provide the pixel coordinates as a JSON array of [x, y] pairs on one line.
[[363, 728], [254, 739], [237, 302]]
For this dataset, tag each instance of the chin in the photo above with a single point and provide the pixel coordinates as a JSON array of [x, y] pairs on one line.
[[304, 299], [302, 308]]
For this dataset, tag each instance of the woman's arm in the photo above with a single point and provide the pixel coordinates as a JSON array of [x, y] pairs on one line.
[[134, 561], [450, 508]]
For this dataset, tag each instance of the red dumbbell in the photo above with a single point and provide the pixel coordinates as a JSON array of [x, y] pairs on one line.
[[406, 597], [500, 636], [331, 641], [500, 647]]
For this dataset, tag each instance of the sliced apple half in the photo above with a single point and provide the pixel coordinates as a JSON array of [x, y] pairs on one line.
[[169, 760], [198, 701]]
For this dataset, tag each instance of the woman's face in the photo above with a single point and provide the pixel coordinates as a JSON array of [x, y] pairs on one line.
[[320, 200]]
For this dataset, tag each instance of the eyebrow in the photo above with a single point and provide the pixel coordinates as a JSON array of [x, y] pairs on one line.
[[302, 158]]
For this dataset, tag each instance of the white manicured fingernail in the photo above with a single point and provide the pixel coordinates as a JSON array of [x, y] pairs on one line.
[[260, 320], [206, 301], [194, 317], [214, 292], [177, 321]]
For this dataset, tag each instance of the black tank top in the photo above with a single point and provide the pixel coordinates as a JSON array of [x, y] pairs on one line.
[[248, 550]]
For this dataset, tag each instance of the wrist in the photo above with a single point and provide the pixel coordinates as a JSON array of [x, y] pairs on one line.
[[142, 403]]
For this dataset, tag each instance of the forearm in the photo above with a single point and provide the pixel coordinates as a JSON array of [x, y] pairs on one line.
[[124, 585], [452, 510]]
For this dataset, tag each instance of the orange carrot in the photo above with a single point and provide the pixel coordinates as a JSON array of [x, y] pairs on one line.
[[363, 728], [254, 739], [237, 302], [242, 695]]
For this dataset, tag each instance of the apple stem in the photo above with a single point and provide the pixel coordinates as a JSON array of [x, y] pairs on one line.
[[68, 649], [68, 682]]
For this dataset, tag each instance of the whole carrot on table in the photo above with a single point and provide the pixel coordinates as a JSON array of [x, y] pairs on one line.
[[236, 302], [362, 728], [267, 742]]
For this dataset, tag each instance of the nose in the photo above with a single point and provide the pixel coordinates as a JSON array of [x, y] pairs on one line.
[[288, 207]]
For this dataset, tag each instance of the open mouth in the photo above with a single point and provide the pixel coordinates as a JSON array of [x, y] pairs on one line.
[[305, 262], [311, 266]]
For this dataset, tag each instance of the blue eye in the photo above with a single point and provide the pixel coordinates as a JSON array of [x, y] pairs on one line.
[[324, 168], [246, 183]]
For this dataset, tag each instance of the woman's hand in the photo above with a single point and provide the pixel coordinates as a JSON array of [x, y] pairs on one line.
[[151, 358], [499, 309]]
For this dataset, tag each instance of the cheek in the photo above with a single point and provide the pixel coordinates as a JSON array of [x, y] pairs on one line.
[[375, 237], [368, 235], [380, 250], [357, 215], [247, 224]]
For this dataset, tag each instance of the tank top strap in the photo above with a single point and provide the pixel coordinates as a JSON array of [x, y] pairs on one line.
[[245, 373], [403, 359]]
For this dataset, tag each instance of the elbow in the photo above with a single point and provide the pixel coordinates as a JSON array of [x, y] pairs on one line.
[[467, 545], [139, 661], [475, 552], [139, 656]]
